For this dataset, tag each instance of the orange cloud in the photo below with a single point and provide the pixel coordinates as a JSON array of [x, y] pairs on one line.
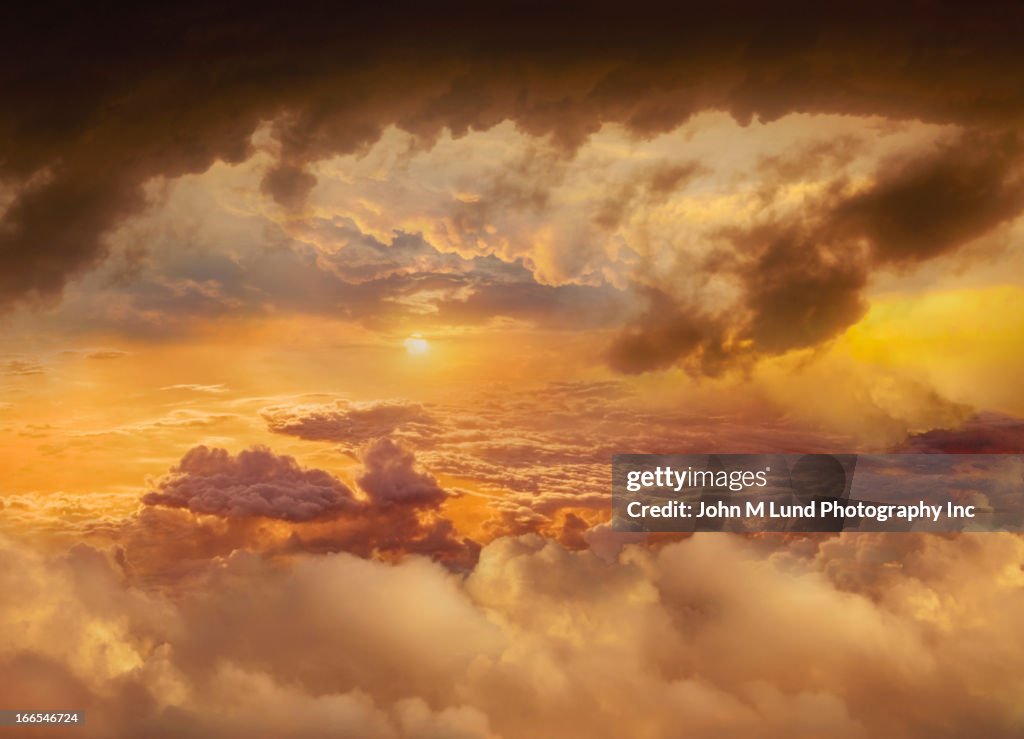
[[536, 638]]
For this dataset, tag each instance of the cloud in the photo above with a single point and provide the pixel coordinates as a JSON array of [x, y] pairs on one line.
[[528, 457], [391, 477], [982, 433], [663, 335], [710, 265], [926, 206], [131, 688], [267, 502], [22, 368], [536, 638], [236, 264], [347, 422], [648, 71], [106, 354], [176, 419], [359, 257], [574, 307], [289, 185], [653, 186], [256, 482], [215, 389], [802, 276]]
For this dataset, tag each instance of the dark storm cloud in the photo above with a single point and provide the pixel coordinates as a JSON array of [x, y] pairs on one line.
[[803, 276], [289, 185], [98, 100], [662, 336], [801, 288], [925, 207]]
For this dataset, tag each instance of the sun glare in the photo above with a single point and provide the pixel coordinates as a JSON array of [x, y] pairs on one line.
[[416, 345]]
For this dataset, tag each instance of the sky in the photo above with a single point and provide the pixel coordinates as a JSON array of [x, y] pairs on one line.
[[320, 326]]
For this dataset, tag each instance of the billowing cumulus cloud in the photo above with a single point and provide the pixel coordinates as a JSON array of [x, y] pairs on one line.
[[536, 639], [256, 482], [391, 477], [268, 503]]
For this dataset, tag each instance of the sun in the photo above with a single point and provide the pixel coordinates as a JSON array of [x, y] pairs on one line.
[[416, 345]]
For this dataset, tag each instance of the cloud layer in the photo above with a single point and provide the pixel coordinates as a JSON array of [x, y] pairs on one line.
[[335, 86], [852, 636]]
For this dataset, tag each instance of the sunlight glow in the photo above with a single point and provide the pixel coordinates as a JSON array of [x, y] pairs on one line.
[[416, 345]]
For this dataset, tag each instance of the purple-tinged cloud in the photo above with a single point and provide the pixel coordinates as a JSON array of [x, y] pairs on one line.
[[345, 421], [255, 483], [391, 477]]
